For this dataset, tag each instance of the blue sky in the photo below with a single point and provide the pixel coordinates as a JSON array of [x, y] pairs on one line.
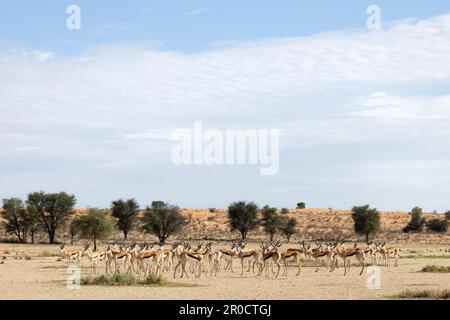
[[364, 115], [191, 26]]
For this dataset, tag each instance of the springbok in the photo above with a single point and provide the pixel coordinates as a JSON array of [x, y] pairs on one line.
[[115, 256], [95, 257], [344, 253], [297, 253], [71, 255], [271, 254]]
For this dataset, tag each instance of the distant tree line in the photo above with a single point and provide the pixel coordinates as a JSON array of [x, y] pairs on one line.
[[49, 213]]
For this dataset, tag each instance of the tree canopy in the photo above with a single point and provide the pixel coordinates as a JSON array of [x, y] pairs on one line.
[[243, 217]]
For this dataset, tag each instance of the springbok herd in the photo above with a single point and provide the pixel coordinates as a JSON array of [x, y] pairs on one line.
[[143, 259]]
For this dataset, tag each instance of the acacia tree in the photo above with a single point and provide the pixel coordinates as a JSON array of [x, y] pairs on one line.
[[163, 220], [301, 205], [417, 221], [287, 227], [366, 220], [271, 221], [95, 224], [156, 204], [73, 231], [125, 211], [53, 210], [243, 216], [15, 218], [34, 222]]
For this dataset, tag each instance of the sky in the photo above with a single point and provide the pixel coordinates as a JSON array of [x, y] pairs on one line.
[[363, 114]]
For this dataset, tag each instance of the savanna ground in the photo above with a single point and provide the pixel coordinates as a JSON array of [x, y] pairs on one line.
[[37, 272]]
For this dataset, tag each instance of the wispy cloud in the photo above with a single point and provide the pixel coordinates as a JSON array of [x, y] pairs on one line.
[[149, 10], [33, 55], [116, 106], [157, 134], [27, 148], [384, 107], [197, 11], [121, 25]]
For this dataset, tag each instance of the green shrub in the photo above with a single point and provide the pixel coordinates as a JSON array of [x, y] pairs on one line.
[[447, 215], [435, 268], [284, 211], [110, 280], [153, 279], [425, 294], [438, 225], [212, 210], [122, 280]]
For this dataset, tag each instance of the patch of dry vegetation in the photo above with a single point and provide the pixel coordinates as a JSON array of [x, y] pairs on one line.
[[425, 294], [435, 268], [123, 280]]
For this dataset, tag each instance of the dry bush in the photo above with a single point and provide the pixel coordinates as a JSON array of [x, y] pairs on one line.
[[122, 280], [437, 269], [425, 294]]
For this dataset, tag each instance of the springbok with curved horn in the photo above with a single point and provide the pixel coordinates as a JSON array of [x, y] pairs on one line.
[[298, 254], [344, 253]]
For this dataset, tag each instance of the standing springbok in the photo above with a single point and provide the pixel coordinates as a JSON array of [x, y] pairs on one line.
[[344, 253], [94, 258], [71, 255], [115, 256], [298, 254]]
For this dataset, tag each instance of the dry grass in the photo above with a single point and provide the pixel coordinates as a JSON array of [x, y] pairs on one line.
[[429, 256], [46, 254], [425, 294], [43, 278]]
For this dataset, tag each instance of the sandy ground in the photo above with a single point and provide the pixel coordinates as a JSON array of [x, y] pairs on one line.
[[45, 278]]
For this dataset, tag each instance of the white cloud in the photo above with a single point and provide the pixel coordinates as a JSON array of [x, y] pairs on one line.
[[27, 148], [149, 10], [392, 107], [158, 134], [114, 105], [197, 11], [27, 56], [121, 26], [43, 56]]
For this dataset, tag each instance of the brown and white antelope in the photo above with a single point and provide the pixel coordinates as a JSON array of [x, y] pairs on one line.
[[271, 254], [71, 255], [181, 252], [297, 254], [321, 251], [345, 253], [388, 253], [249, 253], [124, 256], [95, 257]]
